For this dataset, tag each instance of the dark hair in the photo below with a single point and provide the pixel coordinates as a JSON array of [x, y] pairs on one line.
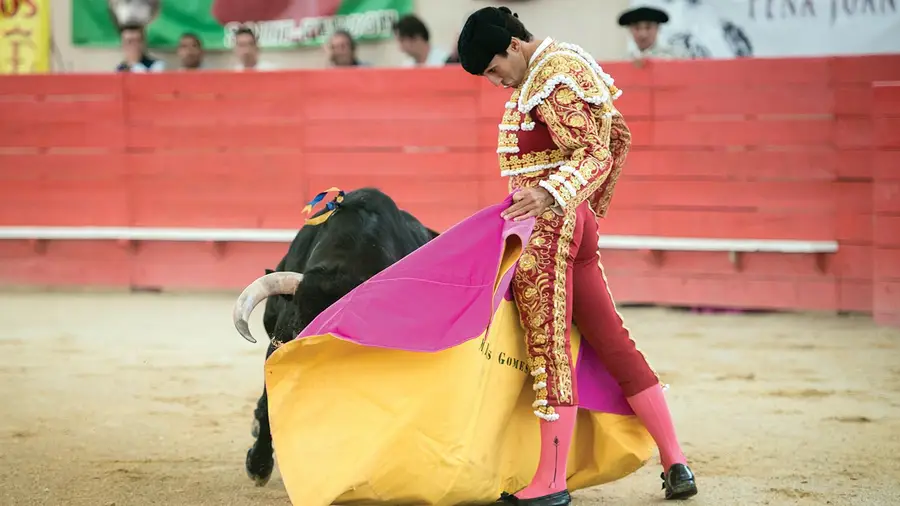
[[515, 27], [132, 27], [410, 27], [192, 36], [346, 34], [244, 30]]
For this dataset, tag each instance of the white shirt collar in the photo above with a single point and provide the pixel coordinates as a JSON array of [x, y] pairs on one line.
[[540, 49]]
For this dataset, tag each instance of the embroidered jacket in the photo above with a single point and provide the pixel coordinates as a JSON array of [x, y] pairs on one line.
[[560, 130]]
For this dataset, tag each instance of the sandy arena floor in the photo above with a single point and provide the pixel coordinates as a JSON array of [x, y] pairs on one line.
[[116, 399]]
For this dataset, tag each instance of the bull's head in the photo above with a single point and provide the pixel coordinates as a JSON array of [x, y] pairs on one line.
[[273, 283]]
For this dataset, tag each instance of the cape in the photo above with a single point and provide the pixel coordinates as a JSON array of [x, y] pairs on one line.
[[414, 389]]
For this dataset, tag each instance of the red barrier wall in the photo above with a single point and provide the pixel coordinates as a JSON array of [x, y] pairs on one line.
[[886, 203], [751, 149]]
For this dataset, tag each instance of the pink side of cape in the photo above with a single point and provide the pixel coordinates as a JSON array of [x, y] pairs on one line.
[[442, 295]]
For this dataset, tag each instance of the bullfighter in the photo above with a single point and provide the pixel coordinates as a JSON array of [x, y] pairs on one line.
[[563, 144]]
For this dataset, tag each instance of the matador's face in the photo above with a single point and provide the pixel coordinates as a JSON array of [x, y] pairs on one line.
[[508, 70]]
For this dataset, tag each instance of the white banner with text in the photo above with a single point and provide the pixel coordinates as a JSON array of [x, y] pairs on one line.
[[779, 28]]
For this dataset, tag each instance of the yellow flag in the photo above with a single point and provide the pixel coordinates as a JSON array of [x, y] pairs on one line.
[[24, 36]]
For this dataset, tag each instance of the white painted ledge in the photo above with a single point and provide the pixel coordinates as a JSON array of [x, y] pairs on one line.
[[613, 242], [656, 243]]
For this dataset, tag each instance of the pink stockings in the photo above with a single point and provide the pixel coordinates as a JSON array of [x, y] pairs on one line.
[[556, 439], [651, 408]]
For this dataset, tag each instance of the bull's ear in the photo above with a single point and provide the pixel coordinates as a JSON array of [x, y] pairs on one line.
[[269, 271]]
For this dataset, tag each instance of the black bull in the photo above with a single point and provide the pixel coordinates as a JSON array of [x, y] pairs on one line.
[[365, 235]]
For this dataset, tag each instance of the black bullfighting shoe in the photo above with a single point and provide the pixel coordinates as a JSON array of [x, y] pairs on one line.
[[679, 482], [558, 499]]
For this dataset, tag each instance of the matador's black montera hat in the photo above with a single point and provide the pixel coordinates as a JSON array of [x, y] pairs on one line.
[[483, 36]]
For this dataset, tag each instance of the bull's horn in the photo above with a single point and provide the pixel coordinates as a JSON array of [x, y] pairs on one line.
[[276, 283]]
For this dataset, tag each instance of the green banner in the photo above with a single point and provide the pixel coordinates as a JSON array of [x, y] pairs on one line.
[[277, 23]]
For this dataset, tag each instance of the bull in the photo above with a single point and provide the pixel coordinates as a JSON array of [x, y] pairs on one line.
[[364, 234]]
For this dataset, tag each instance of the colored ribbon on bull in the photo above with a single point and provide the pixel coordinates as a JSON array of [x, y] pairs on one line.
[[330, 207]]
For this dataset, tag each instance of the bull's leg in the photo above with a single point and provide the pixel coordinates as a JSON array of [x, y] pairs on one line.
[[260, 460]]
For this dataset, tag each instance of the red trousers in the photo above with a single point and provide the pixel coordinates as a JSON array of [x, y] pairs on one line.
[[558, 277]]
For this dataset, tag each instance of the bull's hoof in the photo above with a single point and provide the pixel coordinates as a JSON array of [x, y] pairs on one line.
[[259, 470], [255, 430]]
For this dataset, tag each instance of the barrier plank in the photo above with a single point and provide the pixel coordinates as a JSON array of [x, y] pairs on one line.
[[390, 82], [209, 136], [853, 132], [886, 302], [37, 166], [886, 197], [213, 111], [409, 106], [387, 133], [714, 263], [885, 165], [63, 204], [854, 99], [491, 191], [803, 197], [52, 189], [855, 295], [742, 132], [407, 192], [628, 76], [721, 225], [742, 72], [284, 84], [887, 95], [885, 129], [187, 266], [102, 135], [772, 99], [853, 228], [491, 102], [855, 164], [65, 264], [32, 113], [214, 207], [433, 165], [853, 262], [864, 69], [637, 103], [198, 167], [886, 229], [887, 263], [725, 292], [62, 84], [813, 163]]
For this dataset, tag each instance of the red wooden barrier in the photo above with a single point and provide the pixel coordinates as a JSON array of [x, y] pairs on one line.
[[886, 203], [747, 149]]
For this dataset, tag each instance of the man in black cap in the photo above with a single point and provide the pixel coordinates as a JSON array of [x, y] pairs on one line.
[[643, 23], [563, 144]]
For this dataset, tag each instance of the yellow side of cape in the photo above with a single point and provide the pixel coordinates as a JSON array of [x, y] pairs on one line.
[[356, 424]]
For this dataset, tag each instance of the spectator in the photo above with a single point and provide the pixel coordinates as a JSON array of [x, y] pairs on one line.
[[643, 23], [341, 49], [190, 52], [247, 51], [413, 36], [134, 46]]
